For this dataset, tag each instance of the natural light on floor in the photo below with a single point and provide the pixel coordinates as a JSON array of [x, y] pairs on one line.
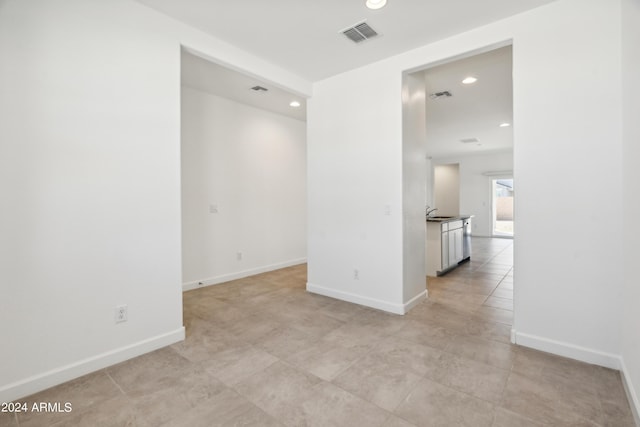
[[503, 194]]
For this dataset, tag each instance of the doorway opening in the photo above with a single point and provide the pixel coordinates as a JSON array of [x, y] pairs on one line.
[[243, 150], [464, 116], [502, 207]]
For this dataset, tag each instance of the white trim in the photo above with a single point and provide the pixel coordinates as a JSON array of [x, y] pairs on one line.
[[74, 370], [415, 301], [357, 299], [632, 395], [240, 274], [587, 355], [571, 351]]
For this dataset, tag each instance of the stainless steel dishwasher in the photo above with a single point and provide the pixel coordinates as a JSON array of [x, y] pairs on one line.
[[466, 239]]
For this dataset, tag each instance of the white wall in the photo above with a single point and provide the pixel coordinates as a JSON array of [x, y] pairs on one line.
[[414, 199], [90, 183], [446, 189], [429, 180], [567, 103], [475, 188], [631, 186], [90, 180], [560, 302], [354, 188], [251, 164]]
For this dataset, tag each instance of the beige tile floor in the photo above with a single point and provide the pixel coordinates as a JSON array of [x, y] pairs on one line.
[[262, 351]]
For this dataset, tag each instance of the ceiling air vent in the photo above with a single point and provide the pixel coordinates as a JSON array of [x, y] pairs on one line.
[[259, 89], [359, 32], [443, 94], [469, 140]]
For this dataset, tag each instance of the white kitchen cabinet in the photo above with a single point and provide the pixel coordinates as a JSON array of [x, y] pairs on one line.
[[455, 246], [445, 248], [445, 245], [455, 236]]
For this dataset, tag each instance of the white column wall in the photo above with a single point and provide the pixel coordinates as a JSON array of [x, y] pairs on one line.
[[354, 188], [631, 137], [414, 200]]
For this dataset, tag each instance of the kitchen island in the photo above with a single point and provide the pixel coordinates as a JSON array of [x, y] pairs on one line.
[[448, 243]]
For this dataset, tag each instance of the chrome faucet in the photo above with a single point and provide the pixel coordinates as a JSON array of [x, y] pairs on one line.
[[431, 210]]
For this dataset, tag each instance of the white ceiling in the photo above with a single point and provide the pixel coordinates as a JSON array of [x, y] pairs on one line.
[[198, 73], [303, 36], [473, 111]]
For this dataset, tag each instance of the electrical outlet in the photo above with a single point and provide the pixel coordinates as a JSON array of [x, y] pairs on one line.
[[239, 256], [121, 313], [356, 274]]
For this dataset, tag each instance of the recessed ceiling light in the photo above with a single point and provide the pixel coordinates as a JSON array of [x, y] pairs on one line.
[[469, 80], [375, 4], [505, 125], [294, 104]]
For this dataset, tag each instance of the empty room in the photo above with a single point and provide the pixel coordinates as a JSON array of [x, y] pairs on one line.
[[213, 213]]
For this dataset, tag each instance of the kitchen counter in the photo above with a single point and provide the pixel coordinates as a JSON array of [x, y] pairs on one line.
[[448, 218], [448, 243]]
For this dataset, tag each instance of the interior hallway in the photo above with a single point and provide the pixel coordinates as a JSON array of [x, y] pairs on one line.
[[262, 351]]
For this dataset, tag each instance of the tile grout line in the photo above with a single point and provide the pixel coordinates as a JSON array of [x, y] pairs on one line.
[[116, 384]]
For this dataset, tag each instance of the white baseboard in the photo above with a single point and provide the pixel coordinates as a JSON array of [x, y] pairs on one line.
[[366, 301], [415, 301], [72, 371], [632, 394], [571, 351], [187, 286]]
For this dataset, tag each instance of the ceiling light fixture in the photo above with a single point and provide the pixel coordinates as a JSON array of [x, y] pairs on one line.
[[469, 80], [375, 4], [505, 125], [294, 104]]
